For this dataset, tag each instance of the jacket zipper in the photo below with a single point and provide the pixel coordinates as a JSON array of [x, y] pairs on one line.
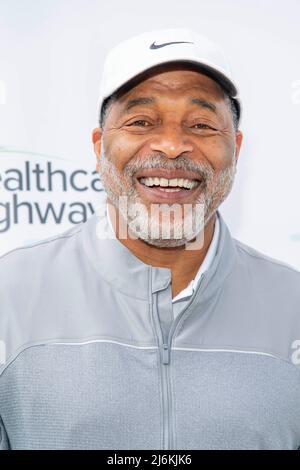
[[165, 343], [164, 359]]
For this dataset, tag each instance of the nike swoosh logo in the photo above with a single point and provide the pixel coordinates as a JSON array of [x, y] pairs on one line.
[[157, 46]]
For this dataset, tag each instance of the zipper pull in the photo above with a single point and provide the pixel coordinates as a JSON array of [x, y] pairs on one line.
[[165, 354]]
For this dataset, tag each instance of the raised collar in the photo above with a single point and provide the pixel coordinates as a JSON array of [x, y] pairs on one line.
[[118, 266], [189, 289]]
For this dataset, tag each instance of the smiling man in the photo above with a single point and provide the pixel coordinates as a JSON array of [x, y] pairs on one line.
[[170, 142], [149, 326]]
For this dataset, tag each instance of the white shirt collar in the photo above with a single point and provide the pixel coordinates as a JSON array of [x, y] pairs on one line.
[[187, 291]]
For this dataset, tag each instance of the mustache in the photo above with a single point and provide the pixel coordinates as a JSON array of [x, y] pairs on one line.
[[203, 169]]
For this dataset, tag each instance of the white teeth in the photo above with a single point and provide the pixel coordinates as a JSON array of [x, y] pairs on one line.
[[169, 190], [173, 182], [163, 182]]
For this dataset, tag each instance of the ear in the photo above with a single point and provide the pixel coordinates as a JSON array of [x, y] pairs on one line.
[[96, 138], [238, 143]]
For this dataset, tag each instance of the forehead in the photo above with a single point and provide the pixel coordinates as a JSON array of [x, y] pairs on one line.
[[176, 80]]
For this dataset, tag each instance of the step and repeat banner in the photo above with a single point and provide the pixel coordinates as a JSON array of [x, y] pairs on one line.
[[51, 54], [41, 195]]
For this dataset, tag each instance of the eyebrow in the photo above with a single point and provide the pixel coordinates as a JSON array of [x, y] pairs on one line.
[[204, 104], [149, 100], [138, 102]]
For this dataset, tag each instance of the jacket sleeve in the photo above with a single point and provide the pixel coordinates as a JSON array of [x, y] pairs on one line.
[[4, 444]]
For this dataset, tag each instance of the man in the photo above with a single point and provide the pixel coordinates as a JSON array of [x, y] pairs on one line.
[[150, 326]]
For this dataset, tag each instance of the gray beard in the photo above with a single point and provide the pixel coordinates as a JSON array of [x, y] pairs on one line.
[[166, 225]]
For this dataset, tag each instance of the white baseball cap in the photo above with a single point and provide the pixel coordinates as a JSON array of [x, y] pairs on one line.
[[134, 56]]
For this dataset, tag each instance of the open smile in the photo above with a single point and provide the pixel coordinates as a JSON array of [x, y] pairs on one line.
[[168, 186]]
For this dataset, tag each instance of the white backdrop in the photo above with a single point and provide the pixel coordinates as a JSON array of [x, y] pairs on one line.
[[51, 54]]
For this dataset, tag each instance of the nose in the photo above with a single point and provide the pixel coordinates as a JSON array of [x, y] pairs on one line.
[[172, 142]]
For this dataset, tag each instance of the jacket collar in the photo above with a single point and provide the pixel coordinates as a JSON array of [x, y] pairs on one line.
[[125, 272]]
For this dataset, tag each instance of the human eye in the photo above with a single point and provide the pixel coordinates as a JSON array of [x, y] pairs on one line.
[[200, 125], [139, 122]]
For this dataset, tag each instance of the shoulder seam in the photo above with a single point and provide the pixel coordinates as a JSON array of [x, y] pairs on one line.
[[265, 258], [40, 243]]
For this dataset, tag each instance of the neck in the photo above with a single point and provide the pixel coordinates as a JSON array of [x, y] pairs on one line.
[[183, 263]]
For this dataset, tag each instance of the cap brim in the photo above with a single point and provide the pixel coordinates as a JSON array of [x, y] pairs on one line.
[[228, 85]]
